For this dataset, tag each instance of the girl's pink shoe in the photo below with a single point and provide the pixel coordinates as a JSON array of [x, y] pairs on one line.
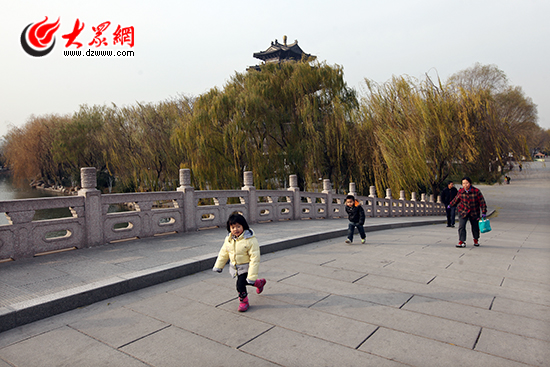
[[259, 283], [243, 304]]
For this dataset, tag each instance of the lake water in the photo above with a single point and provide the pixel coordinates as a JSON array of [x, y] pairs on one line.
[[10, 192]]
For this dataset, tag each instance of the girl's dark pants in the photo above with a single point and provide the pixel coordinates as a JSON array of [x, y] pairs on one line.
[[462, 227], [241, 285]]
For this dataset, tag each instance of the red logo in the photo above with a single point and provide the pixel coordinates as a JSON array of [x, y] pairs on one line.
[[39, 39], [71, 37]]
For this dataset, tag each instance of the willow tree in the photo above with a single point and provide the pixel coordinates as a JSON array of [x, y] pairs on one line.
[[519, 116], [541, 141], [154, 156], [28, 149], [139, 150], [413, 129], [396, 160], [440, 111], [421, 132], [417, 133], [78, 144], [502, 119], [480, 77], [289, 118]]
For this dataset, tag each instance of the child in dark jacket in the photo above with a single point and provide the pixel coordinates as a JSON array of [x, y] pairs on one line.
[[356, 216]]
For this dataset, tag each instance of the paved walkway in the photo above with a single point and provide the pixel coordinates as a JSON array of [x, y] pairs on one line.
[[33, 289], [407, 297]]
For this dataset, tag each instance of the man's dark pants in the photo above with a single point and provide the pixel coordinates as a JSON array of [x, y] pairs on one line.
[[451, 214]]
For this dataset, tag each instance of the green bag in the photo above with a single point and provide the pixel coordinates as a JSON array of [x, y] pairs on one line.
[[484, 225]]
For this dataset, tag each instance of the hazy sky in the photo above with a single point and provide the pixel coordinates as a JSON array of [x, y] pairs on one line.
[[188, 47]]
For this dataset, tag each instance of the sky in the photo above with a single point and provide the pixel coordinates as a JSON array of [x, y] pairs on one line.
[[187, 47]]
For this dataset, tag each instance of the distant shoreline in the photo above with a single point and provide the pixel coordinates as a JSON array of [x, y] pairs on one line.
[[40, 185]]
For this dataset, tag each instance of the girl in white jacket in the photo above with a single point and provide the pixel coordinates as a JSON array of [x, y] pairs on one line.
[[242, 250]]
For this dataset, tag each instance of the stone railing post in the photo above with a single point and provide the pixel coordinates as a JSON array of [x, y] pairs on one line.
[[413, 200], [440, 206], [390, 203], [431, 205], [404, 207], [424, 204], [327, 190], [189, 205], [92, 207], [296, 200], [372, 191], [248, 180], [372, 194], [352, 189]]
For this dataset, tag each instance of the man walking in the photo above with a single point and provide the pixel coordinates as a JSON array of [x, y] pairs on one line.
[[447, 195]]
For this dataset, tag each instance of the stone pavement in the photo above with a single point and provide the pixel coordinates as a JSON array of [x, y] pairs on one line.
[[406, 298], [33, 289]]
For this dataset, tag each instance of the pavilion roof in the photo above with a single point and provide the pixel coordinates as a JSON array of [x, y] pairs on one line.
[[281, 51]]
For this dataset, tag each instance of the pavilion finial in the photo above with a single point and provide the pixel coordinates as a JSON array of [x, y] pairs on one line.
[[284, 40]]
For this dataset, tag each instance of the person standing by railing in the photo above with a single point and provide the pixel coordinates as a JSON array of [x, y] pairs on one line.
[[242, 250], [470, 202], [447, 195]]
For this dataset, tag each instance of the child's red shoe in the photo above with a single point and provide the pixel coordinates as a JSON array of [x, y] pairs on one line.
[[243, 304], [259, 284]]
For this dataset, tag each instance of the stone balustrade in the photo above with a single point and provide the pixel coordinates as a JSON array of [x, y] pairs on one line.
[[92, 222]]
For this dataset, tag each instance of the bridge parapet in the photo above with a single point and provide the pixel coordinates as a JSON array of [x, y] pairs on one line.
[[93, 219]]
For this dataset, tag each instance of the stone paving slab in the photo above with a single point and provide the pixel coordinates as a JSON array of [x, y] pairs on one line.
[[515, 307], [419, 351], [65, 346], [333, 328], [444, 330], [430, 290], [357, 290], [210, 322], [177, 347], [503, 321], [296, 295], [303, 350], [118, 327], [540, 298], [527, 350]]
